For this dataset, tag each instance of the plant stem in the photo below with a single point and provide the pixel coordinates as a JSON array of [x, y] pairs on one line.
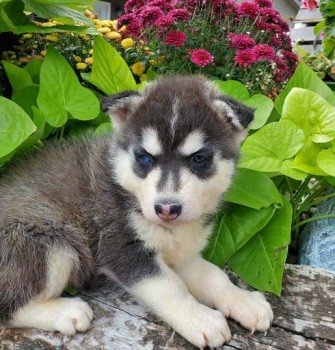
[[320, 217]]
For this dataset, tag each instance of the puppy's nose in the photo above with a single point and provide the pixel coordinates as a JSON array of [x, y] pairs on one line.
[[168, 211]]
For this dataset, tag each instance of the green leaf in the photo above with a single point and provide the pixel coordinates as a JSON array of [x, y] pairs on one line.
[[268, 148], [311, 113], [260, 262], [234, 89], [262, 193], [15, 126], [61, 92], [110, 73], [67, 2], [17, 76], [233, 229], [103, 129], [12, 15], [34, 68], [263, 107], [304, 77], [26, 98], [306, 159], [57, 11], [326, 161]]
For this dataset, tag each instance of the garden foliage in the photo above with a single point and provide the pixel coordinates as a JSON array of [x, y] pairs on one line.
[[287, 162], [223, 39]]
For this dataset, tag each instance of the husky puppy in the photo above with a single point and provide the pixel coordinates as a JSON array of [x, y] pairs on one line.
[[134, 206]]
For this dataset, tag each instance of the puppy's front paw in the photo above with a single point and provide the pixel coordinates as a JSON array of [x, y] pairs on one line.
[[250, 309], [73, 315], [205, 327]]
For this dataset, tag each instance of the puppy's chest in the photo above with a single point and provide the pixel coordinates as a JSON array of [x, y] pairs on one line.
[[175, 244]]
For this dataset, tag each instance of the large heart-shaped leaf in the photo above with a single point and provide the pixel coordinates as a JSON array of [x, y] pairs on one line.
[[311, 113], [18, 77], [61, 92], [269, 148], [233, 229], [304, 77], [15, 126], [110, 73], [262, 193], [260, 262]]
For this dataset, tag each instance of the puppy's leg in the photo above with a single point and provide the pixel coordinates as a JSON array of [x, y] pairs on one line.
[[167, 295], [49, 312], [211, 285]]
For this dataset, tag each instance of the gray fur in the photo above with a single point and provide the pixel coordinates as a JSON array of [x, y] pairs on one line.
[[68, 195]]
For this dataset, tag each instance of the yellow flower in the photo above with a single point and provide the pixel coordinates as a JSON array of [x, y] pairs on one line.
[[114, 24], [27, 36], [81, 65], [52, 37], [90, 52], [43, 52], [138, 68], [89, 60], [143, 77], [113, 35], [127, 43], [104, 30], [105, 23], [77, 58], [153, 62]]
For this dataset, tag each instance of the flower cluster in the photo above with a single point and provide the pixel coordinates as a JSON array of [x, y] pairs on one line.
[[76, 48], [223, 39]]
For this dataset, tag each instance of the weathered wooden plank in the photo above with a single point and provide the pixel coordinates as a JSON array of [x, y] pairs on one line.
[[304, 319]]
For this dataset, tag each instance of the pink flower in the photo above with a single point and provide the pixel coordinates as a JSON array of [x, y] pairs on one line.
[[126, 19], [245, 58], [150, 14], [201, 57], [175, 38], [164, 22], [248, 9], [309, 4], [133, 29], [241, 41], [132, 5], [180, 14], [264, 52]]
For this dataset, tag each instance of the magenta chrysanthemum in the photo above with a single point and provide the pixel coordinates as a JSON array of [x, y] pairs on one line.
[[176, 38], [248, 9], [150, 14], [245, 58], [241, 41], [164, 22], [180, 14], [264, 52], [126, 19], [201, 57]]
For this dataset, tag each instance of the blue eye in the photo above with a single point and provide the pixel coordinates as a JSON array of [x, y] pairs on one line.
[[199, 159], [145, 159]]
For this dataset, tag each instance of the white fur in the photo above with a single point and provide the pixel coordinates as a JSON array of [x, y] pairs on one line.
[[49, 312], [192, 143], [151, 142], [211, 286], [176, 243], [169, 298]]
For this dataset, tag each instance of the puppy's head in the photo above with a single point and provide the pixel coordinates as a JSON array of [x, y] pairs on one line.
[[177, 144]]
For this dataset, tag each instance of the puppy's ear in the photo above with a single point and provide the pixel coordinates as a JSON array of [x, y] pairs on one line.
[[238, 115], [120, 106]]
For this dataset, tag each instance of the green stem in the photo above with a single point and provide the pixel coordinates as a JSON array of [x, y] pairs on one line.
[[320, 217]]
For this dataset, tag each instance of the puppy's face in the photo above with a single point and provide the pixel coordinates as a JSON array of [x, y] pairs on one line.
[[177, 146]]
